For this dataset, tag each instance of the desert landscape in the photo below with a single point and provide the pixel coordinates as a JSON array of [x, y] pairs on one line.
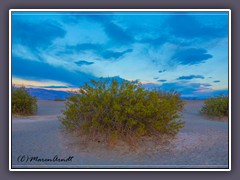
[[202, 143], [120, 89]]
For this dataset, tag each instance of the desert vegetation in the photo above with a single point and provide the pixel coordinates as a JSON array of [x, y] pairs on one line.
[[59, 99], [22, 102], [216, 106], [121, 110]]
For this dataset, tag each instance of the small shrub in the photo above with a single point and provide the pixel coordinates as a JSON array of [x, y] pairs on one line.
[[59, 99], [216, 106], [122, 110], [22, 102]]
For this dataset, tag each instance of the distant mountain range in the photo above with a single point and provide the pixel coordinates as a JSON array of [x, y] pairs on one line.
[[44, 94]]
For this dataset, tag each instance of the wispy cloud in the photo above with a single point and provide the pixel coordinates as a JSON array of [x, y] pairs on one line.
[[116, 34], [161, 71], [83, 62], [97, 49], [33, 70], [186, 88], [36, 34], [156, 42], [191, 56], [162, 80], [187, 26], [114, 54], [190, 77]]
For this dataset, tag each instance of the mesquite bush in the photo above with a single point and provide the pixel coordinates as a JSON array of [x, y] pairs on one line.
[[216, 106], [22, 102], [122, 109]]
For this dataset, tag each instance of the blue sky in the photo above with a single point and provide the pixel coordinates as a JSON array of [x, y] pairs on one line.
[[185, 51]]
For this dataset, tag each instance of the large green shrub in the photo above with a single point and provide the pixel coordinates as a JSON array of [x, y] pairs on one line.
[[122, 110], [215, 106], [22, 102]]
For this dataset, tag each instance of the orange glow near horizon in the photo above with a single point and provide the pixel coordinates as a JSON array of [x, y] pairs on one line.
[[144, 82], [42, 84]]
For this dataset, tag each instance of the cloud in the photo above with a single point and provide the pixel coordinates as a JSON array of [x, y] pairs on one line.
[[36, 34], [79, 48], [85, 46], [97, 49], [82, 62], [190, 77], [191, 56], [34, 70], [188, 26], [206, 84], [158, 41], [185, 29], [116, 34], [186, 88], [76, 17], [161, 71], [217, 81], [162, 80], [182, 87], [41, 71], [113, 54]]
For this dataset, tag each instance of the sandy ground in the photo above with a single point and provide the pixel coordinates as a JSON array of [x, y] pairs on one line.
[[202, 143]]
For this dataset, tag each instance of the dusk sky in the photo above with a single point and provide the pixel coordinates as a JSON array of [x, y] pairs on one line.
[[185, 51]]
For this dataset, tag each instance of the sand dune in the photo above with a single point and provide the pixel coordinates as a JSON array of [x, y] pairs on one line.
[[202, 143]]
